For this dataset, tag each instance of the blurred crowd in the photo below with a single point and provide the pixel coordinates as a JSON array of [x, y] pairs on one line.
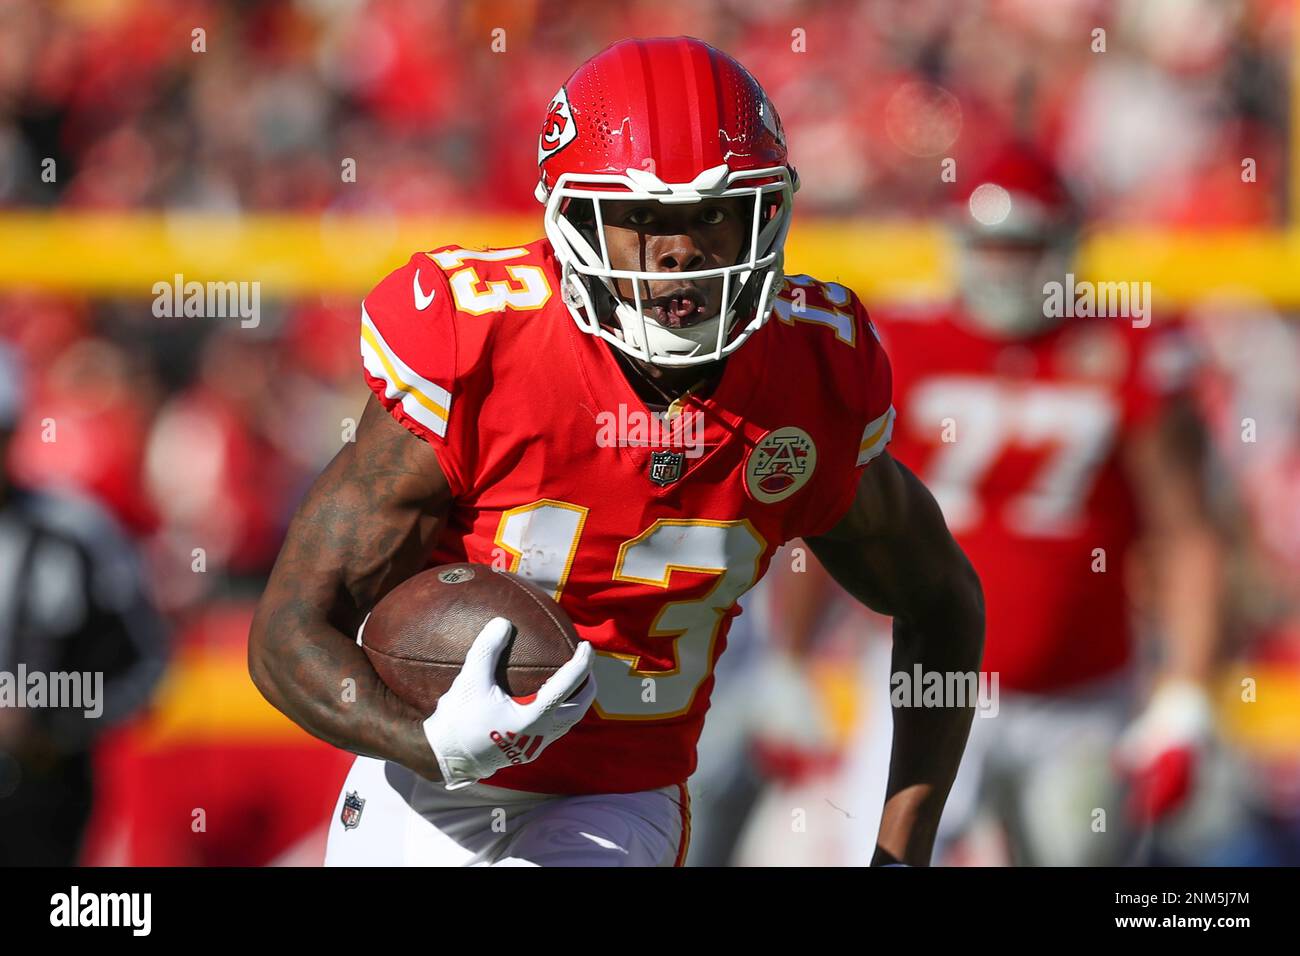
[[199, 437], [1150, 105]]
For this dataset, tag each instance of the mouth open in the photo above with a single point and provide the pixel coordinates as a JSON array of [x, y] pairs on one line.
[[678, 309]]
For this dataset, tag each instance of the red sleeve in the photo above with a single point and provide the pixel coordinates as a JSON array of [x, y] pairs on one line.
[[408, 355]]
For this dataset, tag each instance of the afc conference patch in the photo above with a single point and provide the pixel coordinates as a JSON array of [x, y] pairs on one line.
[[780, 464], [352, 807]]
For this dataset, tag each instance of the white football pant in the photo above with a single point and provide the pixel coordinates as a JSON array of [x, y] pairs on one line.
[[406, 820]]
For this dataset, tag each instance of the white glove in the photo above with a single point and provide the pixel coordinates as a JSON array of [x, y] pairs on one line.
[[1161, 751], [478, 728], [1179, 715], [793, 737], [790, 709]]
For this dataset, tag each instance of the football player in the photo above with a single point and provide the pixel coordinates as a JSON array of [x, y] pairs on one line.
[[1062, 452], [656, 298]]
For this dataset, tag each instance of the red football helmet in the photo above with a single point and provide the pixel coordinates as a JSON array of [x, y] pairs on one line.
[[1016, 228], [667, 121]]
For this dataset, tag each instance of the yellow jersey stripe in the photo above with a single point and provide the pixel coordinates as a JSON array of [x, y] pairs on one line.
[[876, 436], [427, 403], [396, 379]]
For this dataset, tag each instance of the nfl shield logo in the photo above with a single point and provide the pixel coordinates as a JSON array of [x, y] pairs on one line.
[[352, 807], [665, 467]]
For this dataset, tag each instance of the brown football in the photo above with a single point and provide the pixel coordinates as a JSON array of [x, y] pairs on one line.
[[418, 636]]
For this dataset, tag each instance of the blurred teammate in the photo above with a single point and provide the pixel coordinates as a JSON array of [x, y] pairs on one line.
[[768, 726], [1066, 463], [728, 780], [72, 602]]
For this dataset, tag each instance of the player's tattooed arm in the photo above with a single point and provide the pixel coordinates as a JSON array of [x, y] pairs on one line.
[[894, 553], [365, 526]]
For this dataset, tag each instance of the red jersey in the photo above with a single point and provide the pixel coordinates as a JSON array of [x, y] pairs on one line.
[[1020, 442], [646, 534]]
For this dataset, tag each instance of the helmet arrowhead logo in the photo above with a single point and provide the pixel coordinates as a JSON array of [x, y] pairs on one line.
[[559, 130]]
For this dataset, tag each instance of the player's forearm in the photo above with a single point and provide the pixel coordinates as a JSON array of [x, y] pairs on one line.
[[946, 637], [1166, 462], [322, 680], [1188, 593], [366, 525], [302, 650], [894, 553]]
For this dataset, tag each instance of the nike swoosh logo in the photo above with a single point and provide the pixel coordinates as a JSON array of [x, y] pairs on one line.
[[422, 301]]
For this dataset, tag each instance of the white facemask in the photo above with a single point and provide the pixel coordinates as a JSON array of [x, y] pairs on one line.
[[639, 335]]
